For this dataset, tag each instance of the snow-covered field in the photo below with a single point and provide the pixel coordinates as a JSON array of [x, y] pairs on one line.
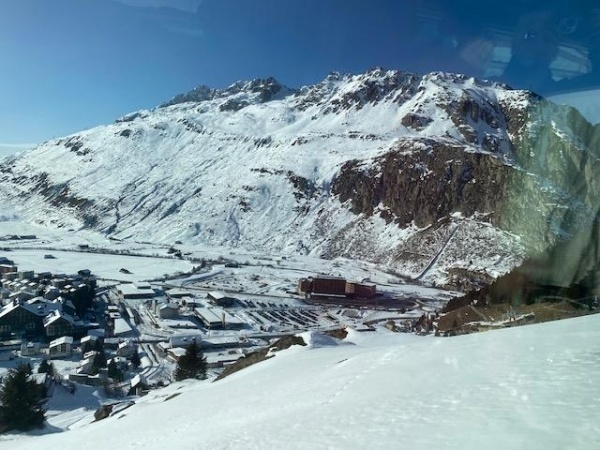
[[102, 265], [533, 387]]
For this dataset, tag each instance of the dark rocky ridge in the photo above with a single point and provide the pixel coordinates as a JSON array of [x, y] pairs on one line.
[[265, 89]]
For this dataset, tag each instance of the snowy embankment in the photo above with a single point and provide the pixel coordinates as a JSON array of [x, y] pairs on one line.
[[523, 388]]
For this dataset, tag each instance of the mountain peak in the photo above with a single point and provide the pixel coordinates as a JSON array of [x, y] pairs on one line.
[[258, 90]]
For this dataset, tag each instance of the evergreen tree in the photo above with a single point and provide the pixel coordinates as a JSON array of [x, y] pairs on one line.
[[98, 345], [46, 367], [114, 372], [192, 364], [88, 346], [135, 359], [98, 362], [21, 401]]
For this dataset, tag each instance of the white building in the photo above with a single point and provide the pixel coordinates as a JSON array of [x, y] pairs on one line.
[[61, 347]]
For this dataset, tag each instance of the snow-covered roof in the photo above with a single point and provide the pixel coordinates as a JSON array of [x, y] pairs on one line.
[[178, 293], [132, 290], [62, 340], [125, 344], [139, 379], [122, 327], [177, 351], [89, 337], [97, 333], [216, 295], [217, 315], [39, 309], [56, 315], [169, 306]]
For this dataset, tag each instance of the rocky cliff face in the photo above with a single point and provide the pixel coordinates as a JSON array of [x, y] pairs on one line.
[[440, 177]]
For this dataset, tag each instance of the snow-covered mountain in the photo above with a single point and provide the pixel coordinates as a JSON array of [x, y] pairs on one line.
[[435, 176], [533, 387]]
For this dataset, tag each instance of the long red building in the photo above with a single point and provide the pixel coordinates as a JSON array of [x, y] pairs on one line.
[[335, 287]]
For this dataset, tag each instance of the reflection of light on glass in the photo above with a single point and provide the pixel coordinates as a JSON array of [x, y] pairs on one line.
[[183, 5], [585, 101], [568, 25]]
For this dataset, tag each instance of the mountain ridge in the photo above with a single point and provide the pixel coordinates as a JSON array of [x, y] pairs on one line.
[[373, 166]]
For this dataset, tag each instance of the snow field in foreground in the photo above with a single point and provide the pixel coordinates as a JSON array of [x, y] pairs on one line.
[[521, 388]]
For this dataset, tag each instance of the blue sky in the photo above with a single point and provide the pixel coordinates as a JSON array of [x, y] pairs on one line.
[[66, 65]]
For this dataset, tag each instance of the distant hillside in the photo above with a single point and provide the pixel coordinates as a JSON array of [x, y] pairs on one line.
[[440, 177]]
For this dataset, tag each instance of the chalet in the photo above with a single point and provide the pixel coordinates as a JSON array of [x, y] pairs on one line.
[[51, 293], [61, 347], [84, 367], [59, 324], [168, 311], [139, 385], [126, 349], [22, 320]]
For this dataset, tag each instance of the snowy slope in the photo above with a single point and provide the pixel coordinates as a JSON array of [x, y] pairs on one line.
[[531, 387], [253, 166]]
